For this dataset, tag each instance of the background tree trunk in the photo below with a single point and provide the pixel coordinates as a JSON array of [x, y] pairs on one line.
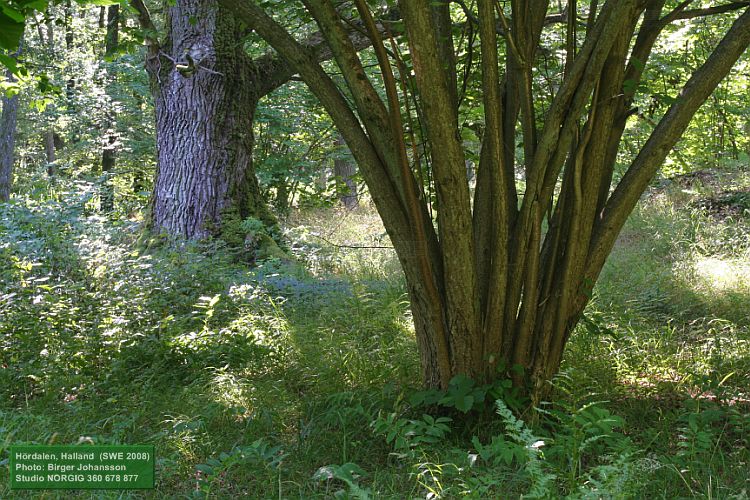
[[49, 151], [344, 169], [48, 136], [69, 39], [109, 152], [8, 120]]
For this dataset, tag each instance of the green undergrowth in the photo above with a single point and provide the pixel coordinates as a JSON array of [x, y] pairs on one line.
[[299, 379]]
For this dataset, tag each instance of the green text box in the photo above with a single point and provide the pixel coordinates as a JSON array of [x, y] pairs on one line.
[[82, 467]]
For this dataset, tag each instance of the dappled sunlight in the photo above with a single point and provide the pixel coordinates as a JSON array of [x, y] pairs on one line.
[[234, 392], [193, 215], [343, 242], [714, 274]]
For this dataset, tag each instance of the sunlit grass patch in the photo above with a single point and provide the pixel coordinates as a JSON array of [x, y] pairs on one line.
[[352, 243], [668, 337], [714, 274]]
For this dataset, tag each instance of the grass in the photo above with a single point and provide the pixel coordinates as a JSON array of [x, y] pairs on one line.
[[294, 380]]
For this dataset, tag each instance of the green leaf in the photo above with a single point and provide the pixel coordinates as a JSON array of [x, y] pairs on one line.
[[693, 422], [461, 383], [506, 454], [206, 469], [391, 435], [667, 99], [428, 397], [11, 31], [465, 404], [8, 62], [352, 468], [629, 86], [37, 5], [13, 14]]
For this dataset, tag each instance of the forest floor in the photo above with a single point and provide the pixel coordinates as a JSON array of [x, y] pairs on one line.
[[300, 379]]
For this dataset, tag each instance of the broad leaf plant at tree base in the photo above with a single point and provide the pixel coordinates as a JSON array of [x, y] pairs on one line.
[[490, 287]]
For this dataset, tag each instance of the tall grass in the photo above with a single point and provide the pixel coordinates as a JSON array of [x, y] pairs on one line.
[[299, 378]]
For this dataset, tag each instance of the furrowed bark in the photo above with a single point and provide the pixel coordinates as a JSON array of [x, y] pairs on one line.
[[203, 100], [202, 176], [8, 122]]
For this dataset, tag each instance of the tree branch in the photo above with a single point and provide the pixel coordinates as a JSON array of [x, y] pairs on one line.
[[709, 11], [144, 19], [356, 247], [274, 71], [491, 218], [663, 139], [549, 20]]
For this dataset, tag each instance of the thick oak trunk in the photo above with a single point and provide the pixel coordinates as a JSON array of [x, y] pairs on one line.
[[206, 90], [204, 104]]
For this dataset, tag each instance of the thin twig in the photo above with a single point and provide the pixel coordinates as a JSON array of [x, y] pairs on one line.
[[358, 247]]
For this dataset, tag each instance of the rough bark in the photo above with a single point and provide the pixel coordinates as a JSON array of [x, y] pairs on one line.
[[8, 121], [204, 101]]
